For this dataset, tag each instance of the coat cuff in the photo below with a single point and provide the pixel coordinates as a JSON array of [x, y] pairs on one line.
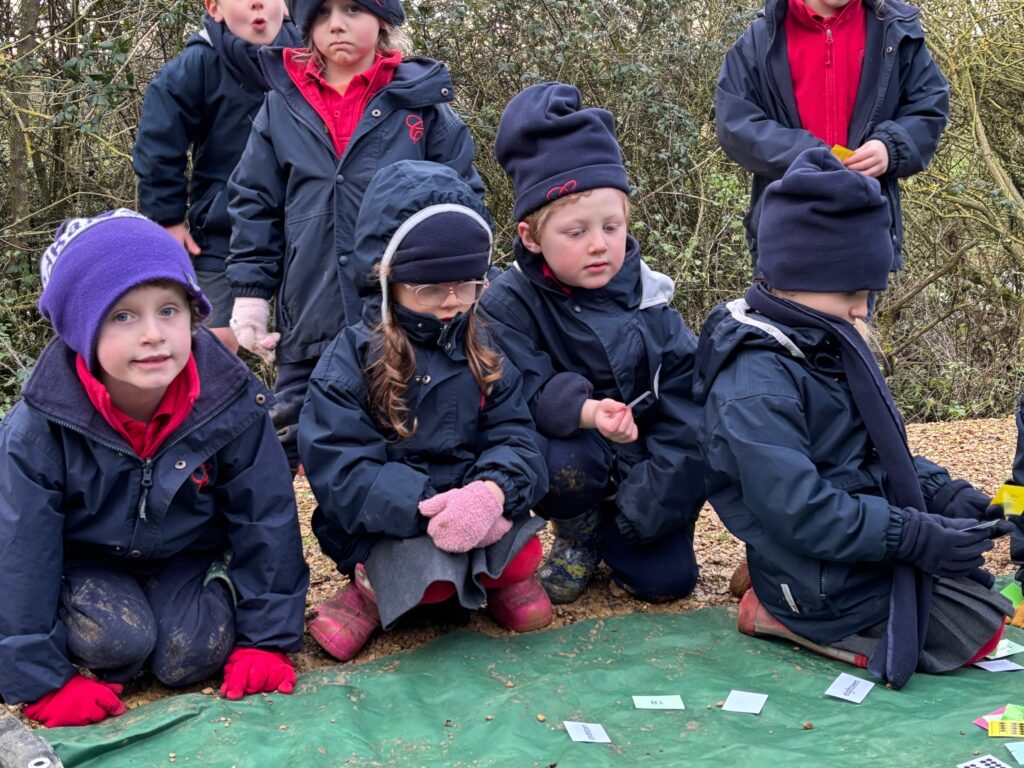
[[559, 404], [252, 292], [894, 532]]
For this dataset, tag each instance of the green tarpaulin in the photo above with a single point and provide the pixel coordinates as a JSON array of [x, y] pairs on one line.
[[472, 700]]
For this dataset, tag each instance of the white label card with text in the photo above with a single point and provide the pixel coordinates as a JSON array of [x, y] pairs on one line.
[[588, 732], [850, 688], [658, 702]]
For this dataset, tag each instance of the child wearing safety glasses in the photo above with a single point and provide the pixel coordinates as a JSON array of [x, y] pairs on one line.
[[415, 436]]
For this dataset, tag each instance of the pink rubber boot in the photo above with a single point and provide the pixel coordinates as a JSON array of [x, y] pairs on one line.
[[345, 623], [520, 607]]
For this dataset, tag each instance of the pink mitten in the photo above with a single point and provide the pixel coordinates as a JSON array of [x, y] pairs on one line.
[[461, 517], [501, 526]]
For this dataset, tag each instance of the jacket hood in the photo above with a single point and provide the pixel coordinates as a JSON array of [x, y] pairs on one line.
[[400, 196], [733, 326]]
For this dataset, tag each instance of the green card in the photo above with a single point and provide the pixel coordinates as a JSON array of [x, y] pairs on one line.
[[1013, 712], [1013, 593]]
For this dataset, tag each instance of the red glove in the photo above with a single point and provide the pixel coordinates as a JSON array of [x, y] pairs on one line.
[[250, 670], [80, 701]]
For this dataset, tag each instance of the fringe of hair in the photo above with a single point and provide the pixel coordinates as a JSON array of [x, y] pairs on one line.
[[393, 363], [390, 39], [536, 220]]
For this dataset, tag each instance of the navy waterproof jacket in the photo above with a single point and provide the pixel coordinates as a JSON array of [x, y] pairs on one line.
[[72, 491], [293, 201], [196, 103], [618, 341], [903, 101], [792, 473], [368, 483]]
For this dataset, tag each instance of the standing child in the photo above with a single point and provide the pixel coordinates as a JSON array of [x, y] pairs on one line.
[[201, 104], [415, 437], [147, 513], [856, 549], [812, 73], [606, 362], [339, 109]]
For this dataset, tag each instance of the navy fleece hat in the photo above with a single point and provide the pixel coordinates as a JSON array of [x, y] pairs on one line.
[[304, 11], [445, 248], [550, 147], [824, 228], [94, 262]]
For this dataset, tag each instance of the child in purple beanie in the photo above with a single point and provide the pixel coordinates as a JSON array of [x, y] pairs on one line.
[[147, 514]]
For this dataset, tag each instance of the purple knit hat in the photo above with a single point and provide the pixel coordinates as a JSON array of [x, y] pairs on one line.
[[93, 262]]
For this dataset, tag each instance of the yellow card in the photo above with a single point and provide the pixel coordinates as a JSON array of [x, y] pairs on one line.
[[1003, 728], [1011, 498], [842, 152]]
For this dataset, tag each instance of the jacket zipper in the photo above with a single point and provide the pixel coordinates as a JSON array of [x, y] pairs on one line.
[[831, 108]]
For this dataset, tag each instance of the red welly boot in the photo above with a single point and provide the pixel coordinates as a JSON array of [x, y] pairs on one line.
[[755, 620], [345, 623], [520, 607]]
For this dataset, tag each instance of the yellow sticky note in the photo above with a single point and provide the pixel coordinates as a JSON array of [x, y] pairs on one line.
[[1011, 498], [1006, 728], [842, 152]]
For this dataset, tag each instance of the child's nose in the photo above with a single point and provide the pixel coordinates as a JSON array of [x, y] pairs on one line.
[[598, 244], [152, 329], [450, 300]]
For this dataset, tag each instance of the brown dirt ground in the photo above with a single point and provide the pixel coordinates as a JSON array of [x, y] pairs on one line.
[[980, 451]]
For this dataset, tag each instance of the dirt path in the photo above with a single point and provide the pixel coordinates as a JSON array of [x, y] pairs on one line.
[[980, 451]]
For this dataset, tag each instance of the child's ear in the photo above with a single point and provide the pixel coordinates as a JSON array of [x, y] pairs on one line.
[[214, 10], [523, 230]]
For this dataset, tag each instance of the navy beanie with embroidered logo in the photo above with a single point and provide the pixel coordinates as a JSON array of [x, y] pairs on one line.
[[445, 248], [93, 262], [824, 228], [550, 147], [303, 12]]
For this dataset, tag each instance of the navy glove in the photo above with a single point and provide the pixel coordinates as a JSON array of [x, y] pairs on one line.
[[939, 545], [960, 499], [983, 577]]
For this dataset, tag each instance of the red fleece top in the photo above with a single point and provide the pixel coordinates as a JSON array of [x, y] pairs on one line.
[[825, 59], [340, 111], [144, 438]]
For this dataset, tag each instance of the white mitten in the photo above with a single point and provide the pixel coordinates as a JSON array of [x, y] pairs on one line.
[[250, 317]]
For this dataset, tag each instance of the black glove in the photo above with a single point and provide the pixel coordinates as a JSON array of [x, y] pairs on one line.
[[939, 545], [983, 577], [960, 499]]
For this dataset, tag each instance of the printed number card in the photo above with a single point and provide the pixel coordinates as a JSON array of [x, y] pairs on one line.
[[744, 701], [591, 733], [985, 761], [849, 688], [658, 702]]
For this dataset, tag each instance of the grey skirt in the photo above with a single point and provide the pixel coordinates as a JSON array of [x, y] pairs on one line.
[[401, 569], [964, 616]]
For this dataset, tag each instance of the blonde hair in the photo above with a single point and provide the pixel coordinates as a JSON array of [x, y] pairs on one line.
[[536, 220], [393, 363]]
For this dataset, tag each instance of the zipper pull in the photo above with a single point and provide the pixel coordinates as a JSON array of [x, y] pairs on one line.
[[828, 46], [147, 483]]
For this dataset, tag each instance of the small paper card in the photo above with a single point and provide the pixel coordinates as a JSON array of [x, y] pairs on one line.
[[1004, 728], [1013, 593], [1011, 498], [658, 702], [1017, 750], [999, 665], [592, 733], [841, 152], [1005, 648], [744, 701], [850, 688], [983, 721], [985, 761], [1013, 712]]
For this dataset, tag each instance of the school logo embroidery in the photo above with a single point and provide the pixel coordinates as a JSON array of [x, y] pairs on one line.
[[201, 476], [556, 192], [415, 125]]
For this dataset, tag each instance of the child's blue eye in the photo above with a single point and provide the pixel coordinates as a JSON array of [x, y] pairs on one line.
[[121, 317], [169, 311]]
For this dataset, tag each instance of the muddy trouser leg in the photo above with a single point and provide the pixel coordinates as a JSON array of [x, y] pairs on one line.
[[664, 569], [290, 391], [110, 627], [195, 613], [579, 469]]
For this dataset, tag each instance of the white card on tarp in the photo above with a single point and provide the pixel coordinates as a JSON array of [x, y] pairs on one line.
[[592, 733], [999, 665], [744, 701], [658, 702], [1005, 648], [1017, 750], [850, 688], [985, 761]]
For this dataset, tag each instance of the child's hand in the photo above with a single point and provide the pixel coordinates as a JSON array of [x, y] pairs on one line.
[[180, 233], [250, 317], [611, 418], [462, 517], [80, 701], [870, 159], [250, 670]]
